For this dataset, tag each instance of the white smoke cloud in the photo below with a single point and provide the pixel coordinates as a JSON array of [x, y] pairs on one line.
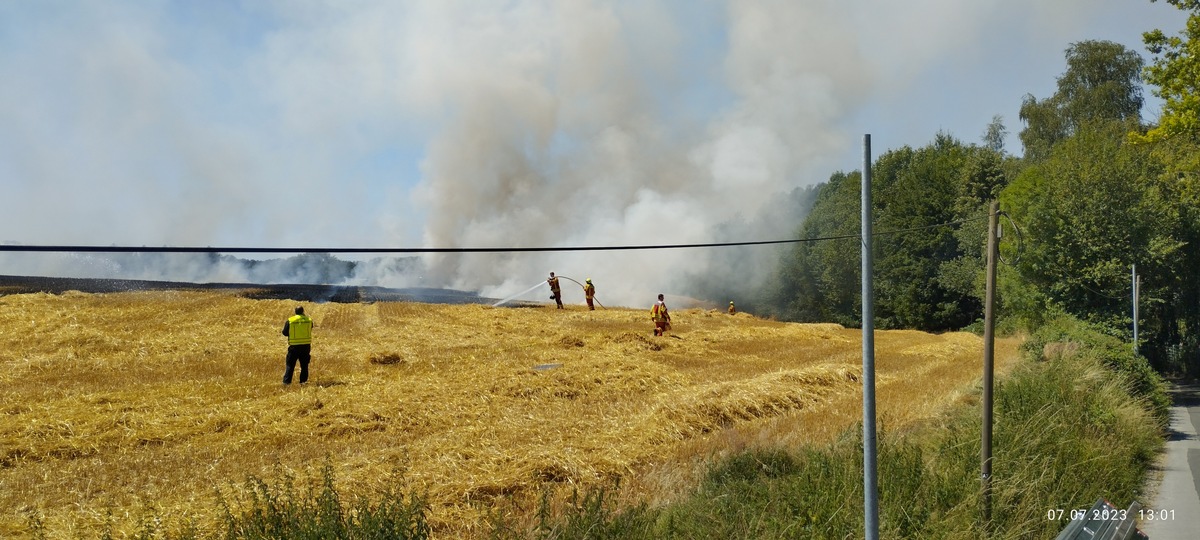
[[458, 123], [558, 139]]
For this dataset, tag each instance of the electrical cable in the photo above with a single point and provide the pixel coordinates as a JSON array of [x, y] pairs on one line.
[[187, 249], [1020, 241]]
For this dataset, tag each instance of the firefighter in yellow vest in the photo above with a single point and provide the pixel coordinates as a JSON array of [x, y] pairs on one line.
[[298, 330], [589, 292], [661, 317], [732, 310]]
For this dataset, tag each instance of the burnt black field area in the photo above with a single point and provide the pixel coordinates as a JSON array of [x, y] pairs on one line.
[[297, 292]]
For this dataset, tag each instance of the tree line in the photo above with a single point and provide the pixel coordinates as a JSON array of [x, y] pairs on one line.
[[1097, 190]]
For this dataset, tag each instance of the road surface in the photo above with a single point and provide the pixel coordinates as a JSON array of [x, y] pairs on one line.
[[1174, 512]]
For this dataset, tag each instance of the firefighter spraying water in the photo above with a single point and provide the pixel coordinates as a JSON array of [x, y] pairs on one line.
[[555, 290], [589, 291]]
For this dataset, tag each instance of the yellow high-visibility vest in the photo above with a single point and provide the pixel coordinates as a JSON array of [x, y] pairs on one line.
[[659, 312], [299, 330]]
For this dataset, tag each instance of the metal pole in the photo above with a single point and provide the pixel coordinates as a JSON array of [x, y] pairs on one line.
[[989, 348], [1134, 279], [870, 481]]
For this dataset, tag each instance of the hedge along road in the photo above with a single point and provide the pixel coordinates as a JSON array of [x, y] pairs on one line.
[[1174, 511]]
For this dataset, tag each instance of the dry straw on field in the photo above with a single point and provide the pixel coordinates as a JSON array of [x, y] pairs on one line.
[[115, 403]]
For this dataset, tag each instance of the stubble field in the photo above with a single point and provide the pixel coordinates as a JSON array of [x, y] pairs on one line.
[[113, 405]]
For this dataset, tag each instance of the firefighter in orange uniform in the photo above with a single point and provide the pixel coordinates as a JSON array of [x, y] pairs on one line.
[[589, 291], [661, 317], [555, 290]]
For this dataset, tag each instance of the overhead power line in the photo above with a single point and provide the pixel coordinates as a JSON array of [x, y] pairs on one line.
[[209, 249], [174, 249]]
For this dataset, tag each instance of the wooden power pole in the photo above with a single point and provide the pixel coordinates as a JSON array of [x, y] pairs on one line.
[[989, 348]]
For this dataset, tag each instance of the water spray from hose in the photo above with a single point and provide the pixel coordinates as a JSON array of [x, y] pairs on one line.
[[535, 285]]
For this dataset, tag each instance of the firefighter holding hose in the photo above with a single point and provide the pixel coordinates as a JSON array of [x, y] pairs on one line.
[[555, 290], [589, 292]]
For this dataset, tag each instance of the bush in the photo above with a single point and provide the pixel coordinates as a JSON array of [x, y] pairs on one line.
[[1142, 381], [592, 514], [278, 511]]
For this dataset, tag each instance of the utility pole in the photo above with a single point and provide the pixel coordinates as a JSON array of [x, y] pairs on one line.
[[1136, 285], [870, 468], [989, 348]]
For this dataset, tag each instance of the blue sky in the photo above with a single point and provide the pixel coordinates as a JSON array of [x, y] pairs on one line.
[[311, 123]]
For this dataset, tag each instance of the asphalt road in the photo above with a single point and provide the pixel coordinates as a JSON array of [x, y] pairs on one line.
[[1175, 511]]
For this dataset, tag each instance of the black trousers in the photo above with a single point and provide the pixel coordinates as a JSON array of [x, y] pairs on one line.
[[301, 353]]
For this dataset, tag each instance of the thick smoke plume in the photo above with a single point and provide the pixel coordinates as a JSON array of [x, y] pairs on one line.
[[534, 123], [567, 136]]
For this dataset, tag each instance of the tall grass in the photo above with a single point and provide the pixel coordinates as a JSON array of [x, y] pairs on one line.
[[279, 511], [288, 508], [1136, 374], [1077, 426]]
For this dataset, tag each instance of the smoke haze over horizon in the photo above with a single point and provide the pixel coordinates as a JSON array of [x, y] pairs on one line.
[[466, 124]]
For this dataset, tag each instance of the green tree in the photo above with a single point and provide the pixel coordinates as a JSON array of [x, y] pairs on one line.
[[1173, 317], [1102, 83], [1175, 145], [819, 281], [984, 173], [993, 138], [1174, 76], [924, 275], [927, 274], [1089, 211]]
